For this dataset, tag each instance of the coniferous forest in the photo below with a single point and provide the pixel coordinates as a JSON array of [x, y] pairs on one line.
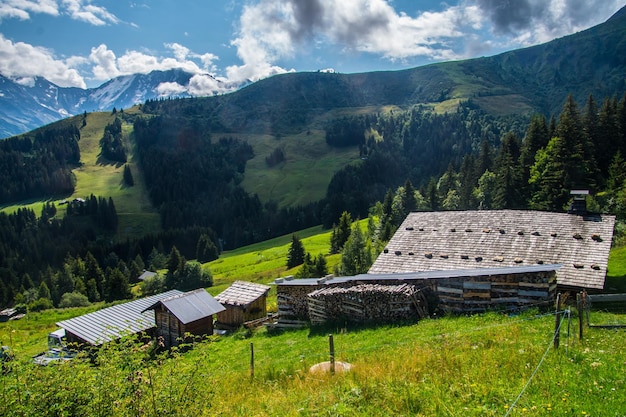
[[465, 159]]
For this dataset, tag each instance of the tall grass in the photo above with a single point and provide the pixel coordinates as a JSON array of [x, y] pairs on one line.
[[452, 366]]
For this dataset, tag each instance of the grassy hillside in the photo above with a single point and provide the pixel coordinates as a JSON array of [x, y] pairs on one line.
[[264, 262], [483, 365], [104, 179]]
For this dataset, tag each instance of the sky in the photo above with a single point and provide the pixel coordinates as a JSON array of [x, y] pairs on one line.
[[84, 43]]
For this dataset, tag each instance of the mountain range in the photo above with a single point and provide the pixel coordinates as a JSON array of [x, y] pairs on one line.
[[534, 79], [26, 107]]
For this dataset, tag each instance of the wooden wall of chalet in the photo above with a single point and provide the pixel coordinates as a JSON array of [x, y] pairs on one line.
[[236, 315], [173, 331], [459, 294], [507, 291]]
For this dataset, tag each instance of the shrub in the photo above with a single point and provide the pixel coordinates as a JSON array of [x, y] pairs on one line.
[[73, 299]]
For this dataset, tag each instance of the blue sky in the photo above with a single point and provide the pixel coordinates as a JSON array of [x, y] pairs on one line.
[[84, 43]]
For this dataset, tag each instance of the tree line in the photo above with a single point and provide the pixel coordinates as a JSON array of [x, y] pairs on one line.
[[39, 165], [411, 160]]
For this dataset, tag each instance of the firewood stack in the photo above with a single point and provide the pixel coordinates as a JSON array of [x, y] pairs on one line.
[[367, 303]]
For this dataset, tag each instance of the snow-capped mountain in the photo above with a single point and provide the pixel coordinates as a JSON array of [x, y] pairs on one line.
[[26, 107]]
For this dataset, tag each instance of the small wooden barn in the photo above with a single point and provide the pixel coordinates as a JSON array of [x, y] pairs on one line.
[[185, 314], [243, 301]]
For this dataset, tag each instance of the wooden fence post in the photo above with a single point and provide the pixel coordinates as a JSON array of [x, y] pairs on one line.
[[251, 361], [331, 344], [579, 307], [557, 321]]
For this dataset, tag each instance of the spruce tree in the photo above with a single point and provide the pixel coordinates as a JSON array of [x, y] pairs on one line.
[[507, 193], [128, 176], [296, 253], [341, 233]]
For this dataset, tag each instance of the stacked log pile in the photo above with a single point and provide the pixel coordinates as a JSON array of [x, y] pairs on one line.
[[510, 291], [367, 303]]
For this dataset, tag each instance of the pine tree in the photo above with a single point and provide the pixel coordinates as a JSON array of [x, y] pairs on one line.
[[566, 163], [341, 233], [116, 286], [321, 267], [175, 263], [606, 135], [356, 257], [507, 193], [206, 250], [128, 176], [409, 202], [295, 255], [537, 137]]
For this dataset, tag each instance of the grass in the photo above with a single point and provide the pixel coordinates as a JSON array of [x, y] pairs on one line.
[[303, 177], [452, 366], [263, 262]]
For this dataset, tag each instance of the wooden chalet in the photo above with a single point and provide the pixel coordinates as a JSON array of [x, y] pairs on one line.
[[451, 240], [402, 296], [185, 314], [243, 302], [464, 261]]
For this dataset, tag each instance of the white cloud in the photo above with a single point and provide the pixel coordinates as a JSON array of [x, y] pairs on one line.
[[84, 11], [271, 30], [22, 62], [107, 65], [528, 22], [170, 89], [274, 30], [21, 9]]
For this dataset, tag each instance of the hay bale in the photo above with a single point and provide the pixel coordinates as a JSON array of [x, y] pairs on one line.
[[324, 367]]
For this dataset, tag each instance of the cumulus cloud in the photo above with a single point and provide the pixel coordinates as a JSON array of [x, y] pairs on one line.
[[82, 10], [22, 62], [535, 21], [85, 11], [271, 30], [107, 65], [21, 9]]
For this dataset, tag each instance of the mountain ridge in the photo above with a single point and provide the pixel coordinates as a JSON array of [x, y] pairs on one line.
[[527, 80]]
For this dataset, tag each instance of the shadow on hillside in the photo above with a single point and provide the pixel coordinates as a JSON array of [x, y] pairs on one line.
[[101, 160], [342, 326]]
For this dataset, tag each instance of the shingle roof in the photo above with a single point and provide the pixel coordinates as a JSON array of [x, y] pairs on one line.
[[417, 276], [114, 322], [242, 293], [191, 306], [429, 241]]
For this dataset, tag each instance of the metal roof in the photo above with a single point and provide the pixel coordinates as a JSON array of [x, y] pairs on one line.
[[114, 322], [418, 276], [242, 293], [191, 306], [146, 275], [428, 241]]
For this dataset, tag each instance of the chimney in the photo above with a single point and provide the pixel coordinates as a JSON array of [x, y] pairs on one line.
[[579, 203]]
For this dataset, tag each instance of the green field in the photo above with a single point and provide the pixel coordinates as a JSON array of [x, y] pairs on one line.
[[482, 365]]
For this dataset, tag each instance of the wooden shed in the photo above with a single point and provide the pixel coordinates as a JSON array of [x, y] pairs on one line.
[[243, 301], [112, 323], [190, 313]]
